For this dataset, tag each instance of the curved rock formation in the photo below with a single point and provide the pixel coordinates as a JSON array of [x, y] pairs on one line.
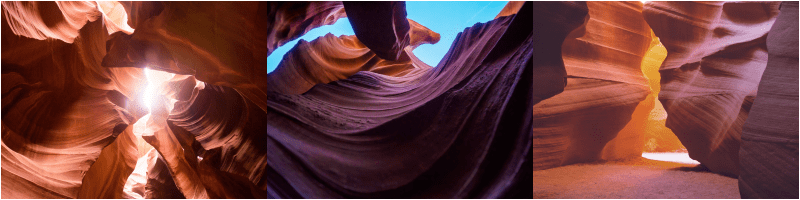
[[330, 58], [603, 61], [381, 26], [116, 17], [459, 130], [42, 20], [657, 137], [60, 109], [768, 153], [159, 183], [512, 7], [340, 120], [233, 154], [68, 121], [717, 53], [228, 51], [287, 21], [62, 20], [107, 176], [134, 187], [139, 11]]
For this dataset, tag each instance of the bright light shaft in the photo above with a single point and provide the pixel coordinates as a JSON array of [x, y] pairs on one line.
[[671, 157], [154, 80]]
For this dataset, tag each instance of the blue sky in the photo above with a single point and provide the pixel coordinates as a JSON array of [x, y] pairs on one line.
[[448, 18]]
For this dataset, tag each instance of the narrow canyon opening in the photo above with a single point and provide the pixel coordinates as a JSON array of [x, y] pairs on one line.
[[134, 186], [663, 170], [513, 99]]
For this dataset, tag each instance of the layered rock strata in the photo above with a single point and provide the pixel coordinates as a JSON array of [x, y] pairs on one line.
[[381, 26], [60, 111], [605, 91], [287, 21], [459, 130], [69, 109], [717, 53], [768, 152], [330, 58]]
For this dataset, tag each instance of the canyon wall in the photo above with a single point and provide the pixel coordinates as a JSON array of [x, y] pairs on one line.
[[330, 58], [717, 54], [70, 110], [544, 84], [459, 130], [768, 152], [605, 91]]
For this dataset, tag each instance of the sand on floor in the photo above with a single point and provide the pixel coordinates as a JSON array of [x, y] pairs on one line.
[[638, 178]]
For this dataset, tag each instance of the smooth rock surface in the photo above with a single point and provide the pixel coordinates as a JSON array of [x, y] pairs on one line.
[[768, 152], [717, 53], [330, 58], [69, 109], [636, 178], [604, 89], [287, 21], [60, 109], [458, 130], [381, 26]]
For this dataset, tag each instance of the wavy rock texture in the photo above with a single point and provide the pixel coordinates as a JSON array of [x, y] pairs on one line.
[[60, 109], [345, 122], [178, 171], [330, 58], [287, 21], [381, 26], [234, 163], [768, 153], [159, 182], [116, 17], [605, 91], [69, 120], [236, 58], [229, 50], [717, 53], [458, 130], [512, 7], [657, 137], [139, 11], [42, 20], [179, 159], [107, 176], [134, 187], [62, 20]]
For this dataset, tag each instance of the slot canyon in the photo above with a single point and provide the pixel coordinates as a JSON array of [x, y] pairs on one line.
[[120, 99]]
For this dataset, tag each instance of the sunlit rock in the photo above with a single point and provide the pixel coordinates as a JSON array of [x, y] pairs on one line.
[[714, 64], [459, 130], [61, 109], [330, 58], [287, 21], [605, 91], [169, 99]]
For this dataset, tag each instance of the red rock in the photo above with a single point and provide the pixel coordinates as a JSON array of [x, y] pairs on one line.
[[287, 21], [768, 152], [458, 130], [512, 7], [330, 58], [603, 61], [714, 63], [381, 26], [344, 121], [58, 114]]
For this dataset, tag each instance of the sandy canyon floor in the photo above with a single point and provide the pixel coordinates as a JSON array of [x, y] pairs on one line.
[[639, 178]]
